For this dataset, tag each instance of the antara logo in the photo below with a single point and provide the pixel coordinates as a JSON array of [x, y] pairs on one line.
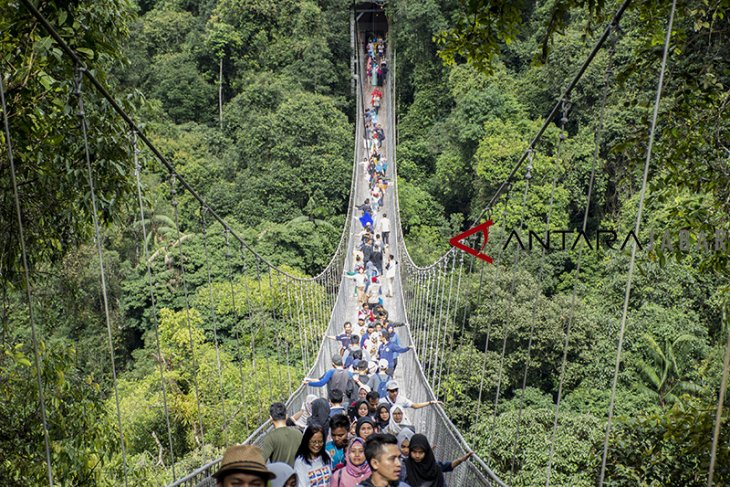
[[457, 241]]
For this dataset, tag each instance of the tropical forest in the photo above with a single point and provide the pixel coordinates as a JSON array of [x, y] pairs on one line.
[[595, 353]]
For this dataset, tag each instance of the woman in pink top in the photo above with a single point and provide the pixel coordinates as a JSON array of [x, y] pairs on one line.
[[356, 470]]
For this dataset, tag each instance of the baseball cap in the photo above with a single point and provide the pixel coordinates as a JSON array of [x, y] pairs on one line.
[[391, 385], [383, 364]]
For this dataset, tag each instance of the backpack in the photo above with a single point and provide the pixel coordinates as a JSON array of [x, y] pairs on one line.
[[381, 387], [341, 380]]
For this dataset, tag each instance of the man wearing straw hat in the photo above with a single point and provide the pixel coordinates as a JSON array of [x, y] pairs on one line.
[[243, 466]]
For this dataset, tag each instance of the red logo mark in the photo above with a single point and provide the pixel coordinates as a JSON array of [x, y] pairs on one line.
[[456, 241]]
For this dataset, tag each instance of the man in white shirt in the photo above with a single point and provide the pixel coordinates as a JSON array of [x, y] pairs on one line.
[[383, 228], [393, 398]]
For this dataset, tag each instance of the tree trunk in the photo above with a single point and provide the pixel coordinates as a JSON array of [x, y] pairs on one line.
[[220, 93]]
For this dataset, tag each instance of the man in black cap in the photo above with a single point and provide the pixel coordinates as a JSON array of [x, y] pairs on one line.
[[243, 466]]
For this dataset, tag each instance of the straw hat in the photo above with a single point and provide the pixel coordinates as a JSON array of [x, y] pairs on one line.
[[246, 459]]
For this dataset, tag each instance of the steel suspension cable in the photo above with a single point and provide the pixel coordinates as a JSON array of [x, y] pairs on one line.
[[303, 327], [313, 319], [515, 440], [277, 338], [416, 278], [442, 339], [303, 339], [434, 327], [447, 324], [291, 320], [28, 290], [176, 214], [435, 301], [268, 361], [63, 45], [418, 311], [642, 194], [153, 299], [427, 317], [720, 401], [456, 312], [510, 301], [579, 260], [566, 94], [251, 326], [448, 342], [214, 322], [427, 279], [286, 338], [489, 324], [236, 315], [100, 254]]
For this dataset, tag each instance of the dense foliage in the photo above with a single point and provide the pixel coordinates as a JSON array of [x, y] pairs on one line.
[[494, 69], [250, 101]]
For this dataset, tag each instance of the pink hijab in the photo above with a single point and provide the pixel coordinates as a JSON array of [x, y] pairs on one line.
[[351, 475]]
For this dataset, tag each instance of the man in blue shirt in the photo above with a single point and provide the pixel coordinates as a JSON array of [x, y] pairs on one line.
[[343, 338], [388, 350], [335, 378], [366, 335], [335, 448]]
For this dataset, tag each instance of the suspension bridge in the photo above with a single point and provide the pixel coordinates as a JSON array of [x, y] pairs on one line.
[[307, 310]]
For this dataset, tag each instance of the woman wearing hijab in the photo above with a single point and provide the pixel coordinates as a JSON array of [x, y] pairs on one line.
[[365, 427], [359, 410], [320, 414], [301, 417], [404, 443], [398, 421], [312, 464], [285, 475], [382, 417], [421, 468], [356, 470]]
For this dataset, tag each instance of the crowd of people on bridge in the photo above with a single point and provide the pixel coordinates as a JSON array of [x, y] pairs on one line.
[[360, 434]]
